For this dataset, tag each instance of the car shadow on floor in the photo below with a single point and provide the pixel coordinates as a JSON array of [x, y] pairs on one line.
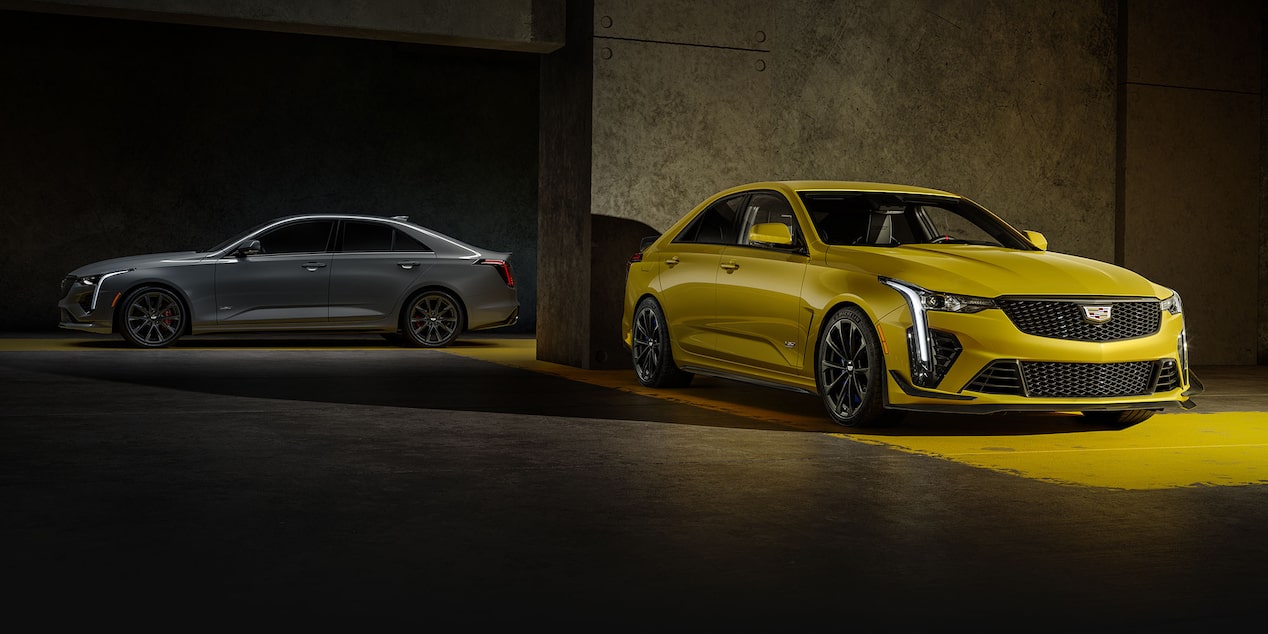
[[367, 370]]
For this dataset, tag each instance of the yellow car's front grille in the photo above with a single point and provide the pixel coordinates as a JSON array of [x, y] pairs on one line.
[[1066, 319], [1086, 380], [1043, 379]]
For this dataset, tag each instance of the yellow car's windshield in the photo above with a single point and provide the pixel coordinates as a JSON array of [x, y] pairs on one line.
[[888, 220]]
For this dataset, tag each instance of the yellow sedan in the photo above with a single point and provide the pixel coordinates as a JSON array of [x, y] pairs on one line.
[[882, 298]]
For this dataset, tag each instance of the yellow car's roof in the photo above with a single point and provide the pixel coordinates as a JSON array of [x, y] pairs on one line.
[[862, 186]]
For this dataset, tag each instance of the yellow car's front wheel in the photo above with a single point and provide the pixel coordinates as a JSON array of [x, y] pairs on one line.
[[850, 370]]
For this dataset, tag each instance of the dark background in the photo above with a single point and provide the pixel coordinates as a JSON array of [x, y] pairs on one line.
[[125, 137]]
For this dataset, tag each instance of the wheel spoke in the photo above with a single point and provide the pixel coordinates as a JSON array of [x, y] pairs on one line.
[[646, 343], [433, 320], [153, 318], [844, 368]]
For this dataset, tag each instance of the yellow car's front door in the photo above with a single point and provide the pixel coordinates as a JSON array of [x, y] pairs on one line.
[[759, 291], [758, 299]]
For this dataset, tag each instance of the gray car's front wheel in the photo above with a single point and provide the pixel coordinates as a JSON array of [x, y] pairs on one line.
[[653, 355], [152, 317], [850, 370], [433, 319]]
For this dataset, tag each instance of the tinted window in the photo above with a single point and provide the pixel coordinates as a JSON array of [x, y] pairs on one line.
[[716, 225], [375, 236], [406, 242], [297, 237], [367, 236], [850, 218], [767, 207]]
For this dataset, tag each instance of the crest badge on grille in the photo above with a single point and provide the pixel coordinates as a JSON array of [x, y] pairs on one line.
[[1097, 314]]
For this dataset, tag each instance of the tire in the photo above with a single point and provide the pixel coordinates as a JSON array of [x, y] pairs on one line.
[[850, 370], [432, 319], [1118, 419], [652, 352], [152, 317]]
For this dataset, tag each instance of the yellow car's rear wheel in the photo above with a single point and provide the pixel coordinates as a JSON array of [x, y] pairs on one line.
[[850, 369], [653, 356]]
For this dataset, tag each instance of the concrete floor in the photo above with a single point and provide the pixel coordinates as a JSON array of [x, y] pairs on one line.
[[345, 482]]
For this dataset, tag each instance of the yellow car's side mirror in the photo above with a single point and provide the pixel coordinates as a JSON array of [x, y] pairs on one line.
[[1037, 239], [774, 233]]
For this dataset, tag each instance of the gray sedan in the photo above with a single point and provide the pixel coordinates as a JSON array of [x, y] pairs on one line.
[[317, 272]]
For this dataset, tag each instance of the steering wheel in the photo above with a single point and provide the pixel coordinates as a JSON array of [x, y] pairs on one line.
[[940, 239]]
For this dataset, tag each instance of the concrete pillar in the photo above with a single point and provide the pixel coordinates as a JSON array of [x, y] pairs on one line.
[[563, 215]]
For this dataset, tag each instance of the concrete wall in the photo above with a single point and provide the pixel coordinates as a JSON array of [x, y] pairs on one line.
[[515, 25], [126, 137], [1193, 166], [1010, 103]]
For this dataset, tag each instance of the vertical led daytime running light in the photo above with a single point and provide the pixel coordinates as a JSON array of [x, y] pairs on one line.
[[923, 366], [1183, 349], [917, 316], [97, 289]]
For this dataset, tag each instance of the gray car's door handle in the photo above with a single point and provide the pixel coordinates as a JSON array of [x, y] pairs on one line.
[[313, 266], [407, 265]]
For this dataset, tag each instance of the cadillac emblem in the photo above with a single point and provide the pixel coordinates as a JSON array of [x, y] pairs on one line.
[[1097, 314]]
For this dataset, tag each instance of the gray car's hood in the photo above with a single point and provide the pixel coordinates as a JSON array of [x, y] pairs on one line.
[[136, 262]]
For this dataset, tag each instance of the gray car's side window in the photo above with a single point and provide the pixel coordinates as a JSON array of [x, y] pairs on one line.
[[375, 237], [367, 236], [406, 242], [297, 237]]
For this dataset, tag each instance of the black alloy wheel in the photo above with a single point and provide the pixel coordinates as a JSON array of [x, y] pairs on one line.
[[433, 319], [153, 317], [653, 356], [850, 370]]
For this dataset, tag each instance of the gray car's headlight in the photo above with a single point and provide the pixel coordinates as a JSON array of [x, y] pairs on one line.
[[1172, 304], [95, 281]]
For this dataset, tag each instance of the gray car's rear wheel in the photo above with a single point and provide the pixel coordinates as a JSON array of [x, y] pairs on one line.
[[152, 317], [432, 319], [653, 355], [850, 370]]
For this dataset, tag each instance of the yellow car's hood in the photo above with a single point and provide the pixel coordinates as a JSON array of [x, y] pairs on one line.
[[992, 271]]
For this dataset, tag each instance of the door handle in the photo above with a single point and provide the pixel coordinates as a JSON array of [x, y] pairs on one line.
[[730, 267], [407, 265], [313, 266], [672, 262]]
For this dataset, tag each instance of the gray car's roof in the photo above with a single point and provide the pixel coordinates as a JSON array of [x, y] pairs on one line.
[[443, 244]]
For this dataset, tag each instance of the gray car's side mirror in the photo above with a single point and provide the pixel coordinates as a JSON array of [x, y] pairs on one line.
[[250, 247]]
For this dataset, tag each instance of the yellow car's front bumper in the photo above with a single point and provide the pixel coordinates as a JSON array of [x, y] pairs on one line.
[[986, 364]]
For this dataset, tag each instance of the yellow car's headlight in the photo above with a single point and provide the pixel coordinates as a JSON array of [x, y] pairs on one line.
[[927, 369], [952, 303], [1172, 304]]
